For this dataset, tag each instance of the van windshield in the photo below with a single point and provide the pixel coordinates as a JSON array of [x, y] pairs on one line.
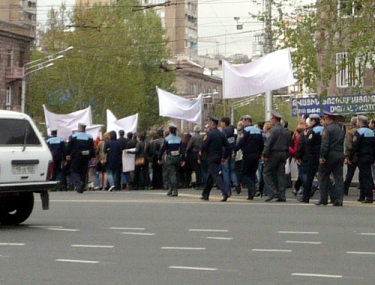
[[17, 132]]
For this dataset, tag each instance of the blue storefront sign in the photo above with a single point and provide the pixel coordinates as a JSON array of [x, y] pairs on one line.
[[339, 105]]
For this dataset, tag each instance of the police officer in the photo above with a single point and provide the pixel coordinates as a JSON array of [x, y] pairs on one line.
[[351, 167], [363, 147], [172, 145], [331, 161], [275, 154], [193, 148], [79, 151], [251, 145], [312, 150], [216, 147], [57, 147]]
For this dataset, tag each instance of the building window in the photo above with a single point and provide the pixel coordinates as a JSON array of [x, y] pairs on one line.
[[348, 70], [10, 58], [21, 58], [8, 96], [350, 8]]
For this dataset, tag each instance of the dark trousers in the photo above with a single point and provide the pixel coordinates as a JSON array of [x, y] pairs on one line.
[[349, 176], [214, 176], [312, 168], [196, 167], [172, 165], [334, 164], [365, 177], [157, 175], [274, 174], [249, 168], [79, 170]]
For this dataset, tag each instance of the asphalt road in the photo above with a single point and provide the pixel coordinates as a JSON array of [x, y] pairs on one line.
[[145, 237]]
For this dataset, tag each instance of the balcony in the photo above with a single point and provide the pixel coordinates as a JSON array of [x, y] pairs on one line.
[[13, 73]]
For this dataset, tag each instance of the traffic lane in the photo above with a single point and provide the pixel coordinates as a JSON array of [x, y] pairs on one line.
[[251, 226]]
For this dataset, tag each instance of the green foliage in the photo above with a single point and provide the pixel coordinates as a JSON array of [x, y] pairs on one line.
[[115, 63], [315, 33]]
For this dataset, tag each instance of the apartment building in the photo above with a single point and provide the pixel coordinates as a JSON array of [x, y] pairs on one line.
[[20, 12], [347, 46], [15, 44]]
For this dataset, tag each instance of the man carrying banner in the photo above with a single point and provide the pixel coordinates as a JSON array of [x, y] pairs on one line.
[[79, 151]]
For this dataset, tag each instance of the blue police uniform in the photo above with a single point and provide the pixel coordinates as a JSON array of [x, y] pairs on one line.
[[251, 145], [363, 147], [81, 149], [57, 147], [173, 146]]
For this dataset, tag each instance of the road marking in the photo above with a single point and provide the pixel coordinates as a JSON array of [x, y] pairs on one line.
[[303, 242], [300, 233], [271, 250], [78, 261], [133, 229], [44, 226], [138, 234], [64, 230], [220, 238], [184, 248], [359, 252], [92, 246], [193, 268], [316, 275], [12, 243], [208, 230], [367, 234]]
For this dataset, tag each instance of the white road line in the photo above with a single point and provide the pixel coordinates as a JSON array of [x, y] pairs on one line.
[[193, 268], [220, 238], [64, 230], [367, 234], [138, 234], [271, 250], [316, 275], [44, 226], [184, 248], [11, 243], [92, 246], [78, 261], [359, 252], [208, 230], [300, 233], [303, 242], [133, 229]]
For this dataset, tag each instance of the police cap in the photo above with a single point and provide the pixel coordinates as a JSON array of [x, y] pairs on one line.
[[362, 118], [314, 117], [246, 117], [197, 128], [172, 126], [82, 125], [276, 115], [213, 118], [328, 114], [53, 132]]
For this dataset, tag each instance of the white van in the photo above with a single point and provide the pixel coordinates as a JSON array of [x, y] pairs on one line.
[[25, 167]]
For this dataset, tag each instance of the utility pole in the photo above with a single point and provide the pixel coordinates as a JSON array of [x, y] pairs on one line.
[[268, 48]]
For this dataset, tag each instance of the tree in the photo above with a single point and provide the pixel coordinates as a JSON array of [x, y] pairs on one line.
[[316, 33], [115, 64]]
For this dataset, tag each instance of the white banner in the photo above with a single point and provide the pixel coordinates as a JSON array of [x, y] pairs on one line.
[[66, 123], [128, 161], [128, 124], [267, 73], [174, 106]]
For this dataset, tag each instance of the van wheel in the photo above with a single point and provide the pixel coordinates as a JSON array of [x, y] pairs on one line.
[[15, 210]]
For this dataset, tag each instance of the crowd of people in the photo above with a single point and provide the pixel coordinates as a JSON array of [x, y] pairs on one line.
[[252, 156]]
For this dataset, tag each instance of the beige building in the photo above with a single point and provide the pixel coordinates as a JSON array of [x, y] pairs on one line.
[[19, 12], [91, 2]]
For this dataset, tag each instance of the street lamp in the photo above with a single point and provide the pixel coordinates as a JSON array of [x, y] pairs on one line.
[[37, 65]]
